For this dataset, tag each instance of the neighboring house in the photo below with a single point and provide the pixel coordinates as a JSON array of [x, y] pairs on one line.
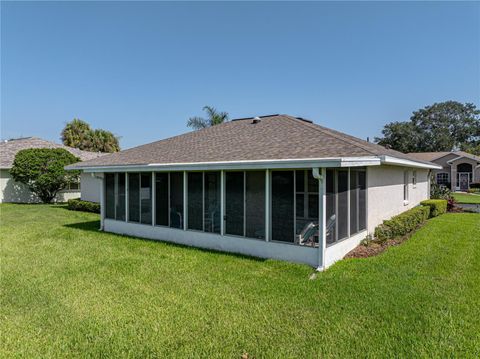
[[459, 169], [274, 186], [12, 191]]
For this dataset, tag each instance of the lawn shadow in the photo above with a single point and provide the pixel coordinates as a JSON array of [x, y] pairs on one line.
[[93, 226]]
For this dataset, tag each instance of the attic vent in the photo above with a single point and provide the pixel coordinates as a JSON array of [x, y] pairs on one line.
[[256, 120]]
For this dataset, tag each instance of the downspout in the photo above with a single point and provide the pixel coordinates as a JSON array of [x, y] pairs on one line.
[[320, 175]]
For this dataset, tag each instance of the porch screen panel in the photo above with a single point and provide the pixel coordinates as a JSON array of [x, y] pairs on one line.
[[146, 198], [362, 200], [134, 197], [176, 200], [353, 201], [120, 214], [255, 204], [110, 195], [342, 204], [234, 203], [212, 202], [161, 199], [330, 210], [283, 206], [195, 200]]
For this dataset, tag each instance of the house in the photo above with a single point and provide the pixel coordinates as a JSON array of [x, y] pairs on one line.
[[273, 186], [12, 191], [459, 168]]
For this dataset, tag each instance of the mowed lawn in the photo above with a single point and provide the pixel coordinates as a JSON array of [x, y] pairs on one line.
[[468, 198], [70, 290]]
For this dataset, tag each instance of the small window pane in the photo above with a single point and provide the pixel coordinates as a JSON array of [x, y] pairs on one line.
[[110, 195], [330, 206], [176, 199], [212, 202], [300, 206], [312, 182], [282, 206], [313, 207], [234, 203], [342, 204], [353, 202], [134, 197], [255, 204], [146, 198], [195, 200], [120, 196], [362, 201], [300, 180], [161, 199]]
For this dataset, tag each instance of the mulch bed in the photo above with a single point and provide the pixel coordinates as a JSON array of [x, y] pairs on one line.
[[374, 248]]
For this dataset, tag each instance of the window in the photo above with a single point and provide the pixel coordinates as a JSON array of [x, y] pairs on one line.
[[176, 199], [115, 196], [442, 178], [146, 198], [339, 208], [306, 198], [161, 199], [414, 179], [74, 185], [134, 197], [195, 200], [234, 201], [212, 202], [405, 186], [283, 226], [110, 195]]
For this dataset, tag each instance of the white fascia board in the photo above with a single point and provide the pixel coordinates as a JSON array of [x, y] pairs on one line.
[[243, 165], [460, 157], [394, 161]]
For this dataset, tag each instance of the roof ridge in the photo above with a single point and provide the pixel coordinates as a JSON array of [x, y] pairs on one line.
[[328, 131]]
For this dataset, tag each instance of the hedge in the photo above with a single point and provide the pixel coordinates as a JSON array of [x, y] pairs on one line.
[[437, 206], [77, 204], [402, 224]]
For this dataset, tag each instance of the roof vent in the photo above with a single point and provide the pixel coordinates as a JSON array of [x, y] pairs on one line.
[[256, 120]]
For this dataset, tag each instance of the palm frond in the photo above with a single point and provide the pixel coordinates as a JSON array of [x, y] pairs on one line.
[[197, 123]]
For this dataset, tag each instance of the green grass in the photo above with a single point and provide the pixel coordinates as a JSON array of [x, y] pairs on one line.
[[467, 198], [68, 290]]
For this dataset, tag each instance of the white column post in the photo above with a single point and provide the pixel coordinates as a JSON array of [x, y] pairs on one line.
[[222, 202], [267, 205], [322, 219], [101, 177], [185, 200], [126, 196], [153, 199]]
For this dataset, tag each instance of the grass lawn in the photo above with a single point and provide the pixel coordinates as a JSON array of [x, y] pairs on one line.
[[69, 290], [467, 198]]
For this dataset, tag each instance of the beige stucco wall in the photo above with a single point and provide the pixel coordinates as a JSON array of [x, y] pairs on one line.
[[12, 191], [385, 192], [90, 186]]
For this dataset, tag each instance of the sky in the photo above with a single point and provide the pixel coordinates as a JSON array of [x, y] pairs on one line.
[[141, 69]]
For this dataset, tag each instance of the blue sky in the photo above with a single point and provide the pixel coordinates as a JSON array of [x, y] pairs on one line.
[[142, 69]]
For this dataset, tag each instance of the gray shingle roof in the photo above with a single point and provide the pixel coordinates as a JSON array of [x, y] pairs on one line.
[[432, 156], [274, 137], [8, 149]]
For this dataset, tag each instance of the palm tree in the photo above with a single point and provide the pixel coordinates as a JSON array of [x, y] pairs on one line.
[[104, 141], [214, 118], [77, 134]]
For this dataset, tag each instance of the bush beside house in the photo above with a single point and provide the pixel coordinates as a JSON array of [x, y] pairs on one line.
[[78, 205], [402, 224], [437, 206]]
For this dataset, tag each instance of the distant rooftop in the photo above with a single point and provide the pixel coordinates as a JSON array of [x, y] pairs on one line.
[[9, 148]]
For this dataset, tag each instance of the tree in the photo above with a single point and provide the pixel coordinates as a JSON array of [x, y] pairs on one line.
[[445, 126], [42, 170], [79, 134], [214, 118], [104, 141]]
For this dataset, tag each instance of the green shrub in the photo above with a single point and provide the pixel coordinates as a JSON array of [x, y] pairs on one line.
[[402, 224], [437, 206], [78, 205]]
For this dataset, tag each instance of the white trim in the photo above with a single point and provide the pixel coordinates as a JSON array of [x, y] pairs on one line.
[[247, 164], [460, 157], [389, 160]]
